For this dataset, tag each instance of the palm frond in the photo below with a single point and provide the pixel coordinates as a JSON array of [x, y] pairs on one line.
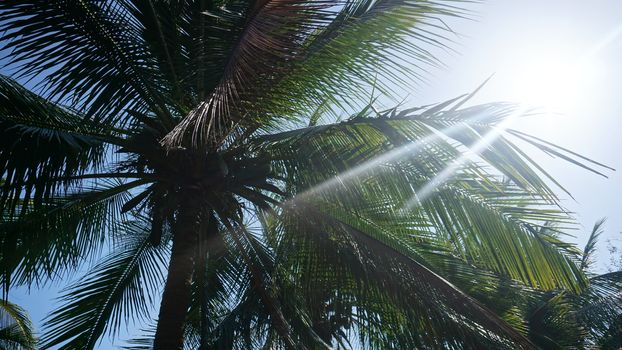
[[589, 319], [483, 129], [374, 285], [612, 339], [118, 290], [395, 173], [590, 246], [50, 241], [378, 45], [283, 40], [90, 53], [600, 306], [552, 324], [40, 142], [16, 329], [144, 341]]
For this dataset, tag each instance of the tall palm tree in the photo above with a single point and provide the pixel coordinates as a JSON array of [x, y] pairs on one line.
[[229, 153], [16, 331]]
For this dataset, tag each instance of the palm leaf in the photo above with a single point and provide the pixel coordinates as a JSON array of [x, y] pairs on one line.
[[386, 289], [116, 291], [389, 166], [50, 241], [40, 142], [599, 307], [16, 330], [282, 40], [590, 246], [90, 53]]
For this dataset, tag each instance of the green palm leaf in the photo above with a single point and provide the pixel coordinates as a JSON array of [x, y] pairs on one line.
[[318, 43], [60, 235], [41, 142], [16, 330], [382, 165], [590, 246], [91, 53], [116, 291]]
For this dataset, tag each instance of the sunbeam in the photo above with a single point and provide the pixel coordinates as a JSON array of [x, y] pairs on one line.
[[452, 169], [392, 156]]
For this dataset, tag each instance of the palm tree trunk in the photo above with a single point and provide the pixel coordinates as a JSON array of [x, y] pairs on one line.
[[211, 248], [177, 290]]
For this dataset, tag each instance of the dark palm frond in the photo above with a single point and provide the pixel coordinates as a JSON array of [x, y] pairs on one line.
[[41, 142], [144, 341], [254, 314], [600, 307], [259, 263], [118, 290], [90, 53], [47, 242], [221, 288], [590, 319], [612, 338], [590, 246], [159, 23], [270, 38], [225, 312], [390, 298], [295, 51], [552, 323], [587, 319], [191, 42], [16, 330], [140, 343]]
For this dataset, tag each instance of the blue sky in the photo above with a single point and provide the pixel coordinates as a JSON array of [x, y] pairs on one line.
[[518, 41]]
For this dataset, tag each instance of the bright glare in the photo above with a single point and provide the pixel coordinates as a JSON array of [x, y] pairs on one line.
[[557, 80]]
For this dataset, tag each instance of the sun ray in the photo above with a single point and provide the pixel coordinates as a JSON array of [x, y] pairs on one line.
[[447, 173], [392, 156]]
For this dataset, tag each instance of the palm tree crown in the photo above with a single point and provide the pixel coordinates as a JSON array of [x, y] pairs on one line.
[[228, 152]]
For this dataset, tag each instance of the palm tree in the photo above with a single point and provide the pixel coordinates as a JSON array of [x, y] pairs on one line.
[[16, 331], [210, 150]]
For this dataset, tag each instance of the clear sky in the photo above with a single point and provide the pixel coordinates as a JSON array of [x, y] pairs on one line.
[[565, 54]]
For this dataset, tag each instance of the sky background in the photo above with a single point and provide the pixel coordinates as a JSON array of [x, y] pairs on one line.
[[561, 53]]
